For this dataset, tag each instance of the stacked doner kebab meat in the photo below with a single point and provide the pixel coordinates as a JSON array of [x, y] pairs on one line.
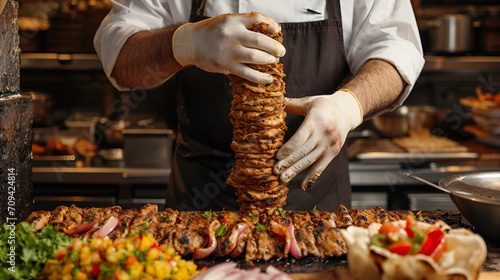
[[258, 118]]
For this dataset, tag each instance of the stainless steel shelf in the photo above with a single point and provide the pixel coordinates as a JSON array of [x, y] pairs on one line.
[[55, 61], [366, 174], [91, 62], [485, 64], [100, 175]]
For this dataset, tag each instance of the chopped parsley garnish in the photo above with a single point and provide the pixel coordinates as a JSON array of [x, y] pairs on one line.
[[261, 227], [106, 271], [91, 218], [221, 230], [418, 217], [145, 224], [207, 215], [282, 213], [164, 218]]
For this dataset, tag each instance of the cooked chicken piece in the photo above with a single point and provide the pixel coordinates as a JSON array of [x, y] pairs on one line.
[[73, 218], [38, 219], [145, 215], [58, 215]]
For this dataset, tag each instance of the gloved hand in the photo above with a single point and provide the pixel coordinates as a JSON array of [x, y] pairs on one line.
[[328, 120], [223, 44]]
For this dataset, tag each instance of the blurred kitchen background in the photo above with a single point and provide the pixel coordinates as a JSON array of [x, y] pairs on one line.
[[96, 146]]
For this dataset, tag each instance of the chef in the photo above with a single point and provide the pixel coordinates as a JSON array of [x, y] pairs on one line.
[[345, 61]]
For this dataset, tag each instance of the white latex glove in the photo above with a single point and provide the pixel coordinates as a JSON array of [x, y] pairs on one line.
[[223, 44], [328, 120]]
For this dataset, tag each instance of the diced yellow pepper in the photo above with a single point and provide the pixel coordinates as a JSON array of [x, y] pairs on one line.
[[153, 253], [67, 268], [85, 256], [162, 269], [136, 270], [80, 275]]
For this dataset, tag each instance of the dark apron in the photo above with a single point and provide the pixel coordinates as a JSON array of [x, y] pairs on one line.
[[314, 64]]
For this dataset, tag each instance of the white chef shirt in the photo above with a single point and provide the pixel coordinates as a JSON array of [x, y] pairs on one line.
[[383, 29]]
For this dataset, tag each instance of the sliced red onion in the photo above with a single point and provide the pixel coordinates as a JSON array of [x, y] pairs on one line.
[[241, 234], [216, 272], [276, 274], [108, 227], [204, 252], [294, 247], [281, 230], [229, 271], [82, 228]]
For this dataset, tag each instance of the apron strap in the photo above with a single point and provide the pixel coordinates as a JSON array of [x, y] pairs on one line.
[[197, 10]]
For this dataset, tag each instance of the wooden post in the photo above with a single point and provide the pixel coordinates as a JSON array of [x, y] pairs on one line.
[[16, 117]]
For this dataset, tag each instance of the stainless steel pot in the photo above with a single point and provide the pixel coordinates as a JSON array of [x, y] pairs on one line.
[[405, 118], [451, 33], [477, 197]]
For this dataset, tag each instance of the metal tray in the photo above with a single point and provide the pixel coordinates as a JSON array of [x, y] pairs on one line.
[[384, 150]]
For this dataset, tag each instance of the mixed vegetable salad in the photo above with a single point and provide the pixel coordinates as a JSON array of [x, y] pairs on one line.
[[24, 251], [136, 256], [410, 239]]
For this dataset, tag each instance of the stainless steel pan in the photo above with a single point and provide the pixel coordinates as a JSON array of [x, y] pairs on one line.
[[477, 197]]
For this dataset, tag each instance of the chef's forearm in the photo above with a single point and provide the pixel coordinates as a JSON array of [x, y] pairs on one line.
[[376, 85], [146, 60]]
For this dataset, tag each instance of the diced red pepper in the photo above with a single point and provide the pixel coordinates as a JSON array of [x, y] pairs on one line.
[[401, 247], [95, 270], [155, 245], [434, 244], [60, 257], [410, 221], [102, 254], [224, 221]]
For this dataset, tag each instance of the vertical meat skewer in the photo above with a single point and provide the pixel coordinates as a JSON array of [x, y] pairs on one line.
[[258, 119]]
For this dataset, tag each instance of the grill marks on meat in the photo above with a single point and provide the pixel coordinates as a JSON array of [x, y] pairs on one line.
[[38, 219], [258, 118], [262, 237]]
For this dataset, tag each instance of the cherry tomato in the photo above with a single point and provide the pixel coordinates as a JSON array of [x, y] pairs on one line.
[[433, 246], [393, 231], [401, 247]]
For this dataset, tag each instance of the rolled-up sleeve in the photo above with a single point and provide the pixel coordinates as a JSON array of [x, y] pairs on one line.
[[387, 30], [128, 17]]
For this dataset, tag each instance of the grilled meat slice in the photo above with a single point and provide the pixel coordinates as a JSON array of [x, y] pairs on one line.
[[118, 232], [328, 239], [145, 215], [344, 219], [73, 218], [191, 233], [38, 219], [234, 238], [126, 216], [58, 215], [167, 217], [304, 234]]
